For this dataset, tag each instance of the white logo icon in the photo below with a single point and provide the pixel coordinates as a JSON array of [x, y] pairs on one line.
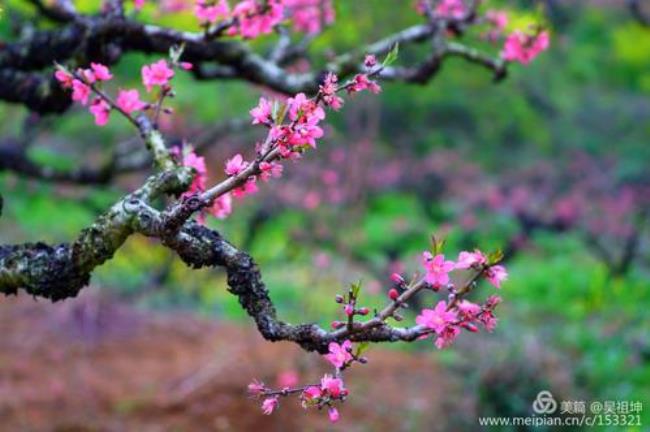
[[544, 403]]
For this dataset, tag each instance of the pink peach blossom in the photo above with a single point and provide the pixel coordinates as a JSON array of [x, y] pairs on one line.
[[468, 310], [362, 82], [470, 259], [129, 101], [235, 165], [437, 269], [156, 74], [328, 90], [192, 160], [496, 275], [269, 405], [332, 386], [222, 206], [262, 112], [101, 72], [256, 387], [451, 9], [248, 188], [80, 92], [339, 354], [64, 78], [270, 169], [436, 319], [101, 110], [209, 11], [524, 47], [254, 18], [447, 337], [312, 393], [308, 16]]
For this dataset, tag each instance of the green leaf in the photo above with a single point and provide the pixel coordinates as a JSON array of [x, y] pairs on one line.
[[175, 52], [391, 56], [437, 245], [355, 288], [279, 112], [361, 348], [495, 257]]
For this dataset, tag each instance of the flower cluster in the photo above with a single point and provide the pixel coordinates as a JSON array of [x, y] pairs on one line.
[[87, 81], [221, 207], [81, 82], [445, 321], [498, 21], [254, 18], [251, 18], [328, 92], [293, 127], [454, 9], [210, 11], [437, 268], [248, 18], [309, 16], [447, 318], [519, 46], [524, 47], [329, 391]]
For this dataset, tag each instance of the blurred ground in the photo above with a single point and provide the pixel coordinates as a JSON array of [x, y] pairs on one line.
[[94, 365]]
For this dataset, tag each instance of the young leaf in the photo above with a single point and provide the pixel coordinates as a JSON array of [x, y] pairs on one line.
[[391, 56]]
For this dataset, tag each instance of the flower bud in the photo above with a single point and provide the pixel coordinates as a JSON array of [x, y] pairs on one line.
[[393, 294], [349, 309], [370, 61], [363, 311], [338, 298], [337, 324], [333, 415], [397, 278], [398, 317]]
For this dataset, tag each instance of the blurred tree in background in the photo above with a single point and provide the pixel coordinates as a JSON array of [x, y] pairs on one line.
[[550, 165]]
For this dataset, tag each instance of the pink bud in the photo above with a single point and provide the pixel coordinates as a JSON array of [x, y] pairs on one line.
[[256, 387], [471, 327], [393, 294], [339, 298], [397, 278], [186, 65], [349, 309], [492, 301], [370, 61], [364, 311], [334, 415], [337, 324]]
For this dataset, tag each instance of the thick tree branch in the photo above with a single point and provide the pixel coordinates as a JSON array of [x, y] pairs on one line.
[[60, 271], [638, 12], [105, 38]]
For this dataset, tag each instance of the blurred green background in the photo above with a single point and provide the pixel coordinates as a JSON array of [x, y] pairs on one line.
[[569, 322]]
